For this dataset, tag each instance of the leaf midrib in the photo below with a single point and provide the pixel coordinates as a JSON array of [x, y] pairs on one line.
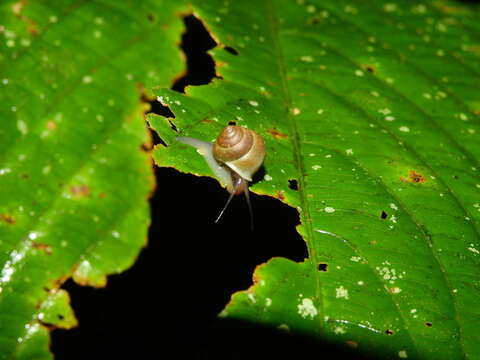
[[405, 208], [295, 141]]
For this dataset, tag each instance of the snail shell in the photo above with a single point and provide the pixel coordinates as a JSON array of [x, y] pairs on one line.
[[234, 157], [241, 149]]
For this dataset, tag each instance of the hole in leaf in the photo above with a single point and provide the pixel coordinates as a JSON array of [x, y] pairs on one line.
[[217, 260], [428, 324], [383, 215], [151, 17], [231, 50], [172, 125], [389, 332], [293, 184], [232, 123], [323, 267], [196, 41], [156, 139], [369, 68], [158, 108]]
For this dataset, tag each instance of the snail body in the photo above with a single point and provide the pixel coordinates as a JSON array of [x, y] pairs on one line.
[[234, 157]]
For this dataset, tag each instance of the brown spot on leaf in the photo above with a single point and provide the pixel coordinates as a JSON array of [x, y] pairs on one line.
[[8, 219], [206, 120], [352, 344], [56, 283], [370, 68], [17, 10], [314, 20], [256, 274], [147, 146], [17, 7], [47, 249], [277, 134], [102, 195], [80, 191], [51, 125], [414, 177], [280, 195]]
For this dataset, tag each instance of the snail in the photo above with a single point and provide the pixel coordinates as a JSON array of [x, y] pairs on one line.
[[234, 157]]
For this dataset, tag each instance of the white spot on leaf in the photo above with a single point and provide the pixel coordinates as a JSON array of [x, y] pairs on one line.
[[306, 58], [307, 309], [341, 293], [22, 127], [87, 79]]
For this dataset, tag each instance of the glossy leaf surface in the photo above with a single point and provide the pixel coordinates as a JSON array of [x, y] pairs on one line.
[[372, 108], [75, 174]]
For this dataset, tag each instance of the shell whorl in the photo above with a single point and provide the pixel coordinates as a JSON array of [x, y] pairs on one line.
[[241, 149]]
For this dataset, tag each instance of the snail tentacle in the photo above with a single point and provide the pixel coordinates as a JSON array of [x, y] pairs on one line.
[[240, 185]]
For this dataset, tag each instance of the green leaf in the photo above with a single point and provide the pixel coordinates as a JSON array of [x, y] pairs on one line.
[[74, 177], [55, 310], [373, 108]]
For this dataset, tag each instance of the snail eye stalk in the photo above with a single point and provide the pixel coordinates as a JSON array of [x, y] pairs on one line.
[[239, 186]]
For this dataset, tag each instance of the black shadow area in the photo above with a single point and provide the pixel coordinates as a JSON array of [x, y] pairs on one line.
[[196, 41], [235, 339], [186, 275]]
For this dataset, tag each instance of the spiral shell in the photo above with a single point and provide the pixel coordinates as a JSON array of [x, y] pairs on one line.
[[241, 149]]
